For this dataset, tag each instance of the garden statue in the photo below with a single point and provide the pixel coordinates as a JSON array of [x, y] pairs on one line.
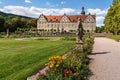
[[79, 32]]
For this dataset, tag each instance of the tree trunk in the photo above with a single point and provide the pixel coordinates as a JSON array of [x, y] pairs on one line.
[[116, 33], [7, 31]]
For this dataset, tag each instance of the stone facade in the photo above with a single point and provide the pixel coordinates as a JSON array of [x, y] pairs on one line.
[[66, 23]]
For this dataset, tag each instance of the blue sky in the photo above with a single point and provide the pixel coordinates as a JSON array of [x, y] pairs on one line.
[[33, 8]]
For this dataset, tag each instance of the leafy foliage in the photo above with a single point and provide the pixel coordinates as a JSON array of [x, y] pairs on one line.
[[2, 21], [88, 44], [112, 19], [12, 22], [8, 16], [99, 29]]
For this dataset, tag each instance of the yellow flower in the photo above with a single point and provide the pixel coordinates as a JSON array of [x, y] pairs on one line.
[[46, 64], [51, 65], [57, 65], [55, 61], [63, 57]]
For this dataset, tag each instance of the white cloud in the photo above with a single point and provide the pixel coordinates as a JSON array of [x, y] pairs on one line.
[[63, 2], [100, 15], [28, 1], [97, 11], [100, 18], [2, 10], [66, 10], [35, 12], [54, 5], [99, 25]]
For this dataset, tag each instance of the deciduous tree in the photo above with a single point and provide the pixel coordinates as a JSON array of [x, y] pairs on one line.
[[2, 21], [112, 19]]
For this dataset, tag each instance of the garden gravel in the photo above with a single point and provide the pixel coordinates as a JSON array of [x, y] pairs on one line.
[[105, 60]]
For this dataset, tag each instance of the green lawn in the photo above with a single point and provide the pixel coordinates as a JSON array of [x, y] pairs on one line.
[[21, 58]]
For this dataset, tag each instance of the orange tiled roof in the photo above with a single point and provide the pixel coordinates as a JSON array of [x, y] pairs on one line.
[[72, 18], [53, 18]]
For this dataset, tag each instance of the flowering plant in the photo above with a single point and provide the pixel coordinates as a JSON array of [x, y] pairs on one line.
[[55, 61], [72, 67], [55, 65]]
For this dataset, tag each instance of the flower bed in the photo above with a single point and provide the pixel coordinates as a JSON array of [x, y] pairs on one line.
[[73, 66]]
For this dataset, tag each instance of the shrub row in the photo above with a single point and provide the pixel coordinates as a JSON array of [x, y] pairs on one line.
[[88, 44]]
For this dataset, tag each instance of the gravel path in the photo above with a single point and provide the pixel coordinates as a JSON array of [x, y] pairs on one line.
[[105, 60]]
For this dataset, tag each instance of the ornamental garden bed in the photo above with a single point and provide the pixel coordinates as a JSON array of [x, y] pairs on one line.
[[73, 66]]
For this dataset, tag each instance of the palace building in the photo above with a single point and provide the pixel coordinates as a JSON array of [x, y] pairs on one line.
[[67, 23]]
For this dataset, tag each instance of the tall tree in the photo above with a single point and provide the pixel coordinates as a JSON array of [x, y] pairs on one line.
[[99, 29], [18, 23], [112, 19], [2, 21], [32, 23], [8, 26], [114, 1]]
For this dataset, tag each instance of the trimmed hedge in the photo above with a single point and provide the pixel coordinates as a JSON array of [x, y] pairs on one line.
[[88, 44]]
